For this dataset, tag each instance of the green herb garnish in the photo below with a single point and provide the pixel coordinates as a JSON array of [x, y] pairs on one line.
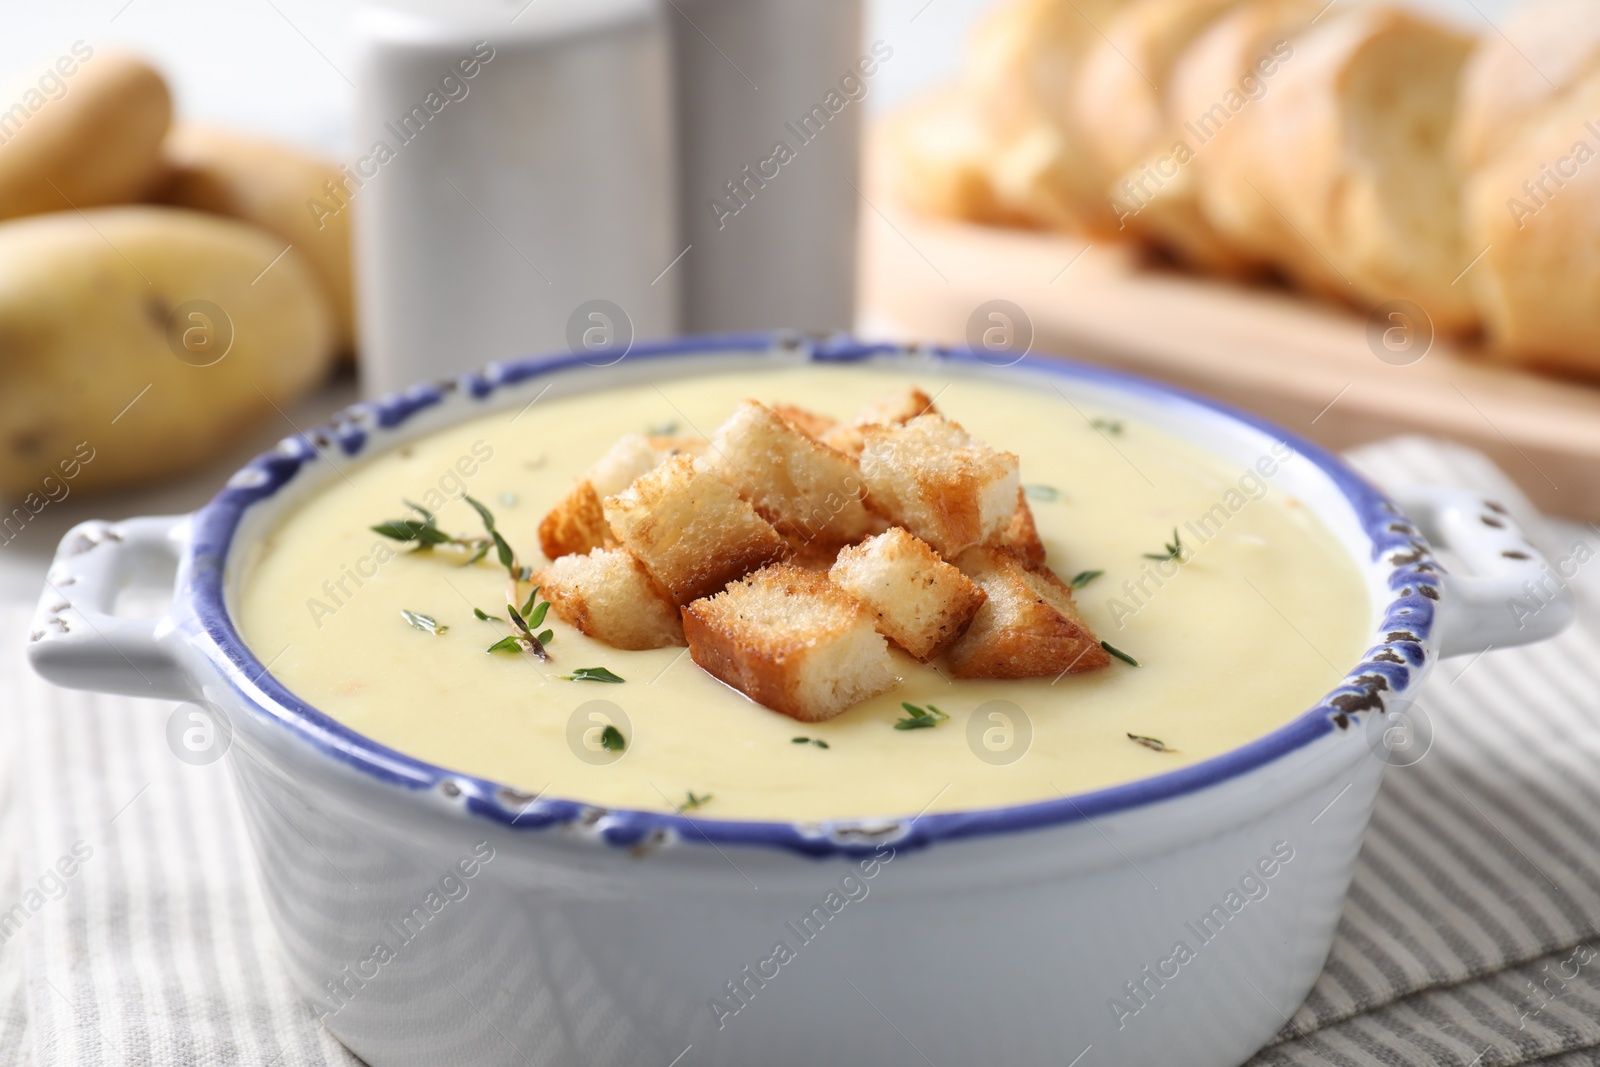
[[1151, 742], [819, 742], [920, 718], [1041, 492], [693, 801], [611, 740], [510, 643], [1174, 549], [425, 534], [425, 623], [1107, 426], [529, 640], [593, 674], [1083, 578], [1123, 656], [485, 616]]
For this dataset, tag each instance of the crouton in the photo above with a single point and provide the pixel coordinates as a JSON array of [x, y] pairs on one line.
[[690, 529], [1020, 535], [577, 523], [1027, 628], [891, 409], [921, 602], [806, 490], [792, 640], [810, 423], [609, 596], [937, 481]]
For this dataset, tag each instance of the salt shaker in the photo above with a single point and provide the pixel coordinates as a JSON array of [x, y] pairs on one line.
[[513, 185], [770, 98]]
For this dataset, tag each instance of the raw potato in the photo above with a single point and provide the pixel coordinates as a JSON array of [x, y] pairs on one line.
[[87, 322], [97, 141], [273, 186]]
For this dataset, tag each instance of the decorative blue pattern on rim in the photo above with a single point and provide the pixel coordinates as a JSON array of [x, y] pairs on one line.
[[1391, 665]]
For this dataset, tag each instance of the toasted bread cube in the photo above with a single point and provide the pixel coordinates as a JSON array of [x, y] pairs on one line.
[[577, 523], [806, 490], [921, 603], [609, 596], [690, 529], [789, 638], [808, 422], [1021, 535], [891, 409], [939, 482], [1027, 628]]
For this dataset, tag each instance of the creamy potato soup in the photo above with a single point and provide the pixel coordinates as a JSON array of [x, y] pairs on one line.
[[1238, 638]]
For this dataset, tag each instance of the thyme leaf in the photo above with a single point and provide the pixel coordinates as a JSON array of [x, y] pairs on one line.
[[1083, 578], [1107, 426], [1041, 492], [1123, 656], [593, 674], [692, 802], [1151, 743], [485, 616], [611, 740], [425, 623], [920, 718], [1174, 549], [819, 742], [425, 534]]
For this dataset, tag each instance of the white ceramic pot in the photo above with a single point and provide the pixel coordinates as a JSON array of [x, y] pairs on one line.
[[432, 917]]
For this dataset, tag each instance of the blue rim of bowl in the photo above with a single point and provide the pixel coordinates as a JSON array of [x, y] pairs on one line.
[[1391, 665]]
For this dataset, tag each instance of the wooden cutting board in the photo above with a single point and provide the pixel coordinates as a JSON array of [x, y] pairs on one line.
[[1304, 364]]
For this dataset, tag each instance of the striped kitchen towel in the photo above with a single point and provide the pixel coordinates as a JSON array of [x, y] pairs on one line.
[[132, 931]]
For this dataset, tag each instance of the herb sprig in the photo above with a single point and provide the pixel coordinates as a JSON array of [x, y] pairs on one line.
[[1123, 656], [1083, 578], [425, 623], [692, 801], [1042, 493], [611, 740], [1174, 549], [819, 742], [1151, 743], [593, 674], [920, 718], [1107, 426]]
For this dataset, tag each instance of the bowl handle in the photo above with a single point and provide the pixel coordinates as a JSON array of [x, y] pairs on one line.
[[77, 640], [1511, 595]]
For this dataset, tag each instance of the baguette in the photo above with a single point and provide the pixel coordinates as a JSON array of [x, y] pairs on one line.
[[1120, 96], [1349, 151], [1213, 84], [1021, 66], [1542, 53], [1536, 207]]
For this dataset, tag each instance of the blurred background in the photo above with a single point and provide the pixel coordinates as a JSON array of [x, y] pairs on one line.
[[273, 67], [220, 223]]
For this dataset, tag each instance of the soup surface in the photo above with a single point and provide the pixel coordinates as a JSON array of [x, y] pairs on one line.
[[1258, 621]]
